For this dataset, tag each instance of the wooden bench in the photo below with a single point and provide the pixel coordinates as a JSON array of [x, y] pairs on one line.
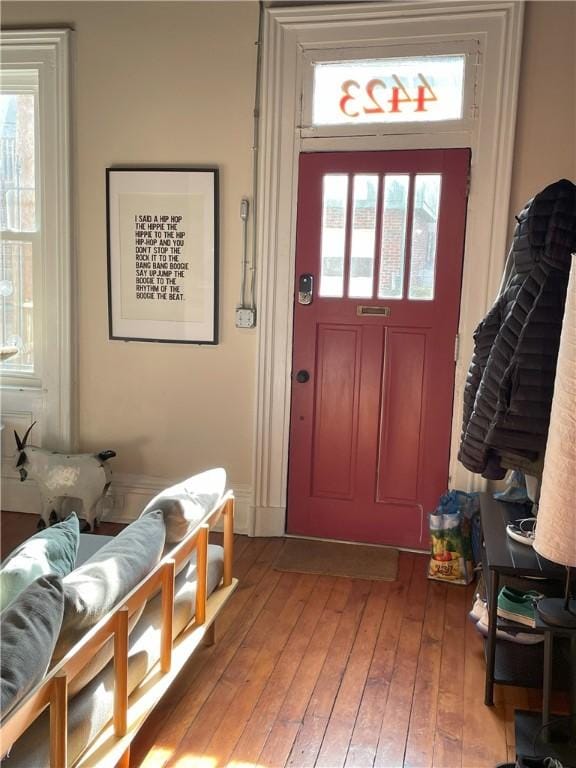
[[112, 745]]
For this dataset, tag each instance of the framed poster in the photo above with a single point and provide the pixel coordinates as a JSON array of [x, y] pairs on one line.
[[163, 254]]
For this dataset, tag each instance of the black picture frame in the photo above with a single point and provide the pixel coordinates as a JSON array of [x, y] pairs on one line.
[[163, 254]]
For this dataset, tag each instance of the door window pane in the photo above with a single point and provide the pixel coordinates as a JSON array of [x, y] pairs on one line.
[[393, 246], [365, 201], [424, 236], [16, 303], [334, 207]]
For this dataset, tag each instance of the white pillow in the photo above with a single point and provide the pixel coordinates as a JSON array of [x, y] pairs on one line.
[[188, 503]]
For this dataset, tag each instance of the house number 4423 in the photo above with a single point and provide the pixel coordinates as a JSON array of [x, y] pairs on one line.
[[369, 99]]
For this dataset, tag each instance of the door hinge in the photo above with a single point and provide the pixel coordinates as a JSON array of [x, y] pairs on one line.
[[468, 183], [456, 347]]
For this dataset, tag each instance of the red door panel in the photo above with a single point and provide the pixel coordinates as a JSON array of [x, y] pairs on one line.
[[337, 384], [382, 235], [400, 434]]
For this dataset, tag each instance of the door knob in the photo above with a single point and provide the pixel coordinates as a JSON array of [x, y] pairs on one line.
[[302, 377]]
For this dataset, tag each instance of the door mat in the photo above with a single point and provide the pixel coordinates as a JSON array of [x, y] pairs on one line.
[[355, 561]]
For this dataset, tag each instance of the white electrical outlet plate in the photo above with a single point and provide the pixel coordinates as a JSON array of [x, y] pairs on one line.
[[245, 318]]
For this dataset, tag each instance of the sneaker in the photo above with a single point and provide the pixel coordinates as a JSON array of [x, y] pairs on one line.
[[523, 530], [513, 636], [478, 609], [518, 606], [539, 762]]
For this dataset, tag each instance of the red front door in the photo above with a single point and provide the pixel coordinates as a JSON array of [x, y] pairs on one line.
[[380, 240]]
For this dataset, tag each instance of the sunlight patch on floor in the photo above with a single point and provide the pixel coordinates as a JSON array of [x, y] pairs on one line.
[[157, 757], [190, 760], [241, 764]]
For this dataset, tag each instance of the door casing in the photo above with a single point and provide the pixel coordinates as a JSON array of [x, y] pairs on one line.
[[289, 35]]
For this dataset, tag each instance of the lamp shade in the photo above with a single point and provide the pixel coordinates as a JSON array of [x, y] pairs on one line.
[[555, 536]]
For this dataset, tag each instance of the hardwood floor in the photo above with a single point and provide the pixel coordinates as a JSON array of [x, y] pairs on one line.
[[318, 671], [16, 527], [321, 671]]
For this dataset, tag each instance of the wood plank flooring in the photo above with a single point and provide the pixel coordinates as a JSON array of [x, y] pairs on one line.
[[321, 671]]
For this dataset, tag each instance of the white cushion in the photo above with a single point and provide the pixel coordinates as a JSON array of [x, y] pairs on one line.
[[188, 503]]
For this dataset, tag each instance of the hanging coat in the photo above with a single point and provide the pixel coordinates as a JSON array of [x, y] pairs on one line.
[[508, 393]]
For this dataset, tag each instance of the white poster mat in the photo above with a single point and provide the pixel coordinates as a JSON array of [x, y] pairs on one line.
[[162, 255]]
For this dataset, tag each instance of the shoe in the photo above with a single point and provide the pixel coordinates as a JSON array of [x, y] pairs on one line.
[[518, 606], [513, 636], [539, 762], [478, 609], [523, 530]]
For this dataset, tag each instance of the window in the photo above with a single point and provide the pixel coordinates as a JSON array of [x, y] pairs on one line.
[[18, 219], [394, 90], [424, 232], [334, 208], [405, 222], [35, 271], [392, 251]]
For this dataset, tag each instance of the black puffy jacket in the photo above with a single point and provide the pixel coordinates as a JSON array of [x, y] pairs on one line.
[[510, 383]]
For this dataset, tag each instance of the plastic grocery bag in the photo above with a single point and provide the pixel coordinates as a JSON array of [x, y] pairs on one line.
[[451, 538]]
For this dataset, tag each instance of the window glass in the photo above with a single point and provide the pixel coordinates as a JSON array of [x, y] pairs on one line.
[[17, 304], [334, 212], [365, 201], [17, 162], [393, 245], [18, 225], [400, 90], [424, 236]]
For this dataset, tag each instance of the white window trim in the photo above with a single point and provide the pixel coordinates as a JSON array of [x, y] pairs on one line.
[[291, 33], [49, 397]]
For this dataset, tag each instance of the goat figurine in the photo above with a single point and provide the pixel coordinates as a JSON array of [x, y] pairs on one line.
[[84, 476]]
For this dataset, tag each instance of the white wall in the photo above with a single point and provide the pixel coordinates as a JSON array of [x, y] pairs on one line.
[[546, 123], [160, 84]]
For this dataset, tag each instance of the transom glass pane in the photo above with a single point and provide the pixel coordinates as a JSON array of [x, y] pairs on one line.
[[424, 236], [365, 200], [393, 244], [400, 90], [334, 212]]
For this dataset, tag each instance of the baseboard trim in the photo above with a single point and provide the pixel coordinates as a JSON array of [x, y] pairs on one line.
[[269, 521], [127, 497], [20, 496]]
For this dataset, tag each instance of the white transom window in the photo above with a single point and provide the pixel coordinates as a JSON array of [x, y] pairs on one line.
[[399, 90], [390, 89]]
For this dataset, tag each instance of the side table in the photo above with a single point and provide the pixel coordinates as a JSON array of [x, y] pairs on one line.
[[506, 559], [548, 734]]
